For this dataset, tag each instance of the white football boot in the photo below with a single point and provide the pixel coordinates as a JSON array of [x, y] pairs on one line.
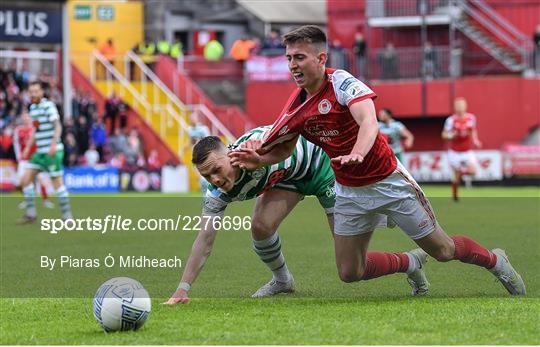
[[417, 279], [274, 287], [507, 275]]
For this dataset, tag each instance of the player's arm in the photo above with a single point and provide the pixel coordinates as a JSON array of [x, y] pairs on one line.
[[17, 145], [475, 139], [29, 144], [447, 133], [54, 117], [474, 134], [363, 113], [407, 136], [247, 157], [200, 251]]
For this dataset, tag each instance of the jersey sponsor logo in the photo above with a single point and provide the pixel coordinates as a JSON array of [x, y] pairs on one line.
[[356, 89], [346, 83], [258, 174], [318, 130], [324, 106]]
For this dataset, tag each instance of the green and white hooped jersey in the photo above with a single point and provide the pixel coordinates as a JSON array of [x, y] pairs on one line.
[[298, 166], [393, 131], [46, 114]]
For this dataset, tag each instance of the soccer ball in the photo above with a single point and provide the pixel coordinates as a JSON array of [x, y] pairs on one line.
[[121, 304]]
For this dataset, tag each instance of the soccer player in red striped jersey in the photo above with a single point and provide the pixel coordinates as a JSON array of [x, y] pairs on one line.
[[335, 111], [462, 136], [22, 135]]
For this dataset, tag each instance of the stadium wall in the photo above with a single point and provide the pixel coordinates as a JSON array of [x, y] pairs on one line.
[[347, 17], [506, 107]]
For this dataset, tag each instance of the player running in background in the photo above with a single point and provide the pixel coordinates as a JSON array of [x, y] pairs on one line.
[[306, 172], [48, 156], [462, 136], [334, 110], [22, 135], [196, 132], [395, 132]]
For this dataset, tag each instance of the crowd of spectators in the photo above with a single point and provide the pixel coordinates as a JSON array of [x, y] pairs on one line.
[[15, 99], [87, 140]]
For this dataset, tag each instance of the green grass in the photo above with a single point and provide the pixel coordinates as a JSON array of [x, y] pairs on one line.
[[465, 305]]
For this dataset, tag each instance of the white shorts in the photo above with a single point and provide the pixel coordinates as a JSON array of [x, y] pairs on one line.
[[359, 210], [459, 160]]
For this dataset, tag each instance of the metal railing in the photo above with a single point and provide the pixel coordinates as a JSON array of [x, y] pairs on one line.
[[217, 127], [499, 27], [166, 113], [399, 8], [413, 63]]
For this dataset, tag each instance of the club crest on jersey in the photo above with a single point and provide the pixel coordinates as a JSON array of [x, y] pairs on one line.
[[324, 106], [283, 131], [258, 174]]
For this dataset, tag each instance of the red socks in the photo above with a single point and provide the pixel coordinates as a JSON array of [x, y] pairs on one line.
[[468, 251], [44, 194], [455, 186], [379, 264]]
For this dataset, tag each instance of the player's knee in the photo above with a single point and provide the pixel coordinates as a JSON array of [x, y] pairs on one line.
[[260, 228], [444, 252], [350, 274]]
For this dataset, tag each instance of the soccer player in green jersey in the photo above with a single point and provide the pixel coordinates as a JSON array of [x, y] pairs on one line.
[[48, 156], [277, 188], [395, 131]]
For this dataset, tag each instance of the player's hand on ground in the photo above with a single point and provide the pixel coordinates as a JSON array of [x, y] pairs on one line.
[[246, 159], [349, 159], [478, 144], [179, 297]]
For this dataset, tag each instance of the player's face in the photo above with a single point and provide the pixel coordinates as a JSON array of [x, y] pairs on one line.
[[26, 119], [383, 116], [306, 65], [217, 169], [36, 93], [460, 106]]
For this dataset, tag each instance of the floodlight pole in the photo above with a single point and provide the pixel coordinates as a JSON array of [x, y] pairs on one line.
[[66, 63], [423, 33], [452, 66]]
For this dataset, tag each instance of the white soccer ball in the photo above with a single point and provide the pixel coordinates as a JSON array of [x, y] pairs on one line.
[[121, 304]]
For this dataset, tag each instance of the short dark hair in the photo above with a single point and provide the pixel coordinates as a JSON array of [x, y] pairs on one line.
[[204, 147], [389, 111], [36, 83], [308, 33]]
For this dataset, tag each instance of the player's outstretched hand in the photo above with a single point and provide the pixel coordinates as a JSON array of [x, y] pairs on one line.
[[179, 297], [246, 159], [349, 159]]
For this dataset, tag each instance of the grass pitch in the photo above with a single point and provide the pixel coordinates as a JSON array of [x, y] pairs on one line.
[[465, 305]]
